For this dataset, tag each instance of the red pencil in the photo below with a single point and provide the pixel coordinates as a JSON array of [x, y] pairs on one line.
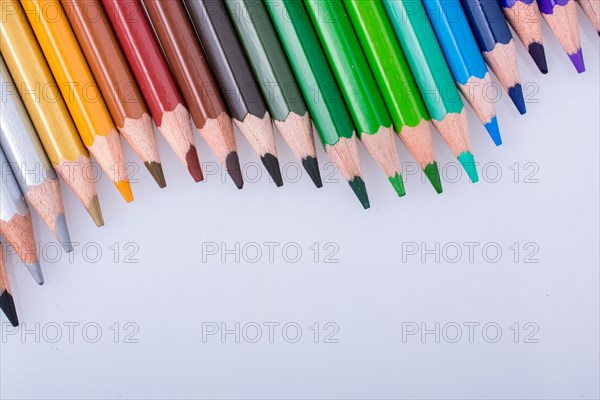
[[152, 72]]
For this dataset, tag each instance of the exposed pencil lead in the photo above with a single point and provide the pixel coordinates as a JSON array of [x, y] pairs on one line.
[[432, 172], [232, 163], [398, 184], [537, 52], [36, 271], [95, 211], [62, 233], [271, 163], [577, 60], [7, 304], [193, 164], [311, 165], [467, 160], [516, 95], [360, 190], [494, 131], [155, 169]]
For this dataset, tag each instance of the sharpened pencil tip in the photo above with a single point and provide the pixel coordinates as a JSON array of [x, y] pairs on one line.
[[360, 190], [232, 163], [467, 160], [95, 212], [494, 131], [516, 94], [155, 169], [193, 164], [577, 60], [398, 184], [7, 304], [125, 189], [311, 165], [537, 52], [271, 163], [62, 233], [36, 271], [432, 172]]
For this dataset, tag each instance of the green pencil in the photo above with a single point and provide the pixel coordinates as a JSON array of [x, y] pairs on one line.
[[427, 63], [276, 80], [357, 84], [396, 83], [320, 91]]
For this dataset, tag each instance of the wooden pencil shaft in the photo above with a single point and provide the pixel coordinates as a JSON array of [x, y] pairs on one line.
[[106, 60], [226, 58], [19, 139], [310, 66], [37, 87], [145, 56], [186, 59], [266, 56], [349, 65], [70, 69], [424, 57], [387, 62], [487, 23]]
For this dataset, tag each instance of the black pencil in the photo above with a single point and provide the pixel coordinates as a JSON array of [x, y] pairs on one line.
[[234, 76]]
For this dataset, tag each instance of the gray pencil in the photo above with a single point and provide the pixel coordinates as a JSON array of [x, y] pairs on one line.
[[15, 220], [32, 169]]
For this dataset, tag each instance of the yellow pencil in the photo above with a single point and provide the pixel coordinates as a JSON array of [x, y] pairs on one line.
[[79, 89], [46, 107]]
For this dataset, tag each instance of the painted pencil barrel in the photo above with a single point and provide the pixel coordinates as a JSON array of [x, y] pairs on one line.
[[464, 59]]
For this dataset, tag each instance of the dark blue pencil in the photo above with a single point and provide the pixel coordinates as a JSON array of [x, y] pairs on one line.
[[496, 44]]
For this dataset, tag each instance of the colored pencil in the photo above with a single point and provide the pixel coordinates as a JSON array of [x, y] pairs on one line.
[[561, 17], [524, 17], [28, 160], [396, 84], [464, 59], [234, 76], [7, 303], [320, 91], [277, 83], [151, 70], [115, 81], [357, 85], [497, 45], [79, 88], [591, 8], [15, 221], [433, 78], [46, 107], [191, 71]]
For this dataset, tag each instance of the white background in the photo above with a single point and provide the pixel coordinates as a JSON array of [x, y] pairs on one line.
[[546, 200]]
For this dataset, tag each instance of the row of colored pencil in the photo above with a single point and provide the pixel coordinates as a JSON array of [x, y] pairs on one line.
[[77, 74]]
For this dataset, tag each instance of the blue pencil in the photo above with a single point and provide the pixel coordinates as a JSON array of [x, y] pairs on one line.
[[464, 59], [496, 44]]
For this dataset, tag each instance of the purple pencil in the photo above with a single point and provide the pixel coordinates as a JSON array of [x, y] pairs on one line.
[[524, 17], [561, 16]]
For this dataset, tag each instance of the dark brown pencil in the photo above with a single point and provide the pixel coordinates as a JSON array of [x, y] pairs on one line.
[[191, 70], [156, 81], [115, 80]]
